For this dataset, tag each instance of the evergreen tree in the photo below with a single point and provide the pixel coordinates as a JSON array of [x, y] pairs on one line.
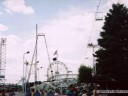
[[84, 74], [112, 57]]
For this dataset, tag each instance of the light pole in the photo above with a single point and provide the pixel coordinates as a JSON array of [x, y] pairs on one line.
[[94, 65], [35, 73], [24, 86], [38, 69], [25, 77]]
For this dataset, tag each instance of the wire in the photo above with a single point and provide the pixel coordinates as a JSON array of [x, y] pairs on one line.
[[94, 22], [92, 26], [98, 5]]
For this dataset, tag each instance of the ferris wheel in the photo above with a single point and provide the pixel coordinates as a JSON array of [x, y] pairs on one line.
[[58, 70]]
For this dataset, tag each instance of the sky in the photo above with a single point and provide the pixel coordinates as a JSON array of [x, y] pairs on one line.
[[68, 25]]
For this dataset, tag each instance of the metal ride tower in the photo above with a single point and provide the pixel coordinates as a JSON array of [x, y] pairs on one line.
[[2, 60], [35, 61]]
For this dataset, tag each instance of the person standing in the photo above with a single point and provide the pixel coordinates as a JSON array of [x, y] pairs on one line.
[[3, 93], [37, 93], [50, 93], [33, 92], [42, 92], [45, 92], [70, 91], [84, 93], [28, 93], [57, 92]]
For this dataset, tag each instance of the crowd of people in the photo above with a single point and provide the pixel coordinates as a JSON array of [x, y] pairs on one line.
[[70, 91]]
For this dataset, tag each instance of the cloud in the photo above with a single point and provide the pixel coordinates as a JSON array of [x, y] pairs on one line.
[[1, 13], [15, 48], [68, 32], [17, 6], [110, 2], [3, 28]]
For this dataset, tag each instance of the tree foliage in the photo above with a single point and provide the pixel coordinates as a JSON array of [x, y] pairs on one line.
[[84, 74], [112, 57]]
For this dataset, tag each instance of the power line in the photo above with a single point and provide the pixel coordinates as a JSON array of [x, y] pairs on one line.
[[97, 11], [94, 21]]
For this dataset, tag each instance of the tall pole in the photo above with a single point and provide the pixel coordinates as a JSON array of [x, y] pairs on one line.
[[26, 72], [57, 73], [36, 53], [57, 68], [94, 65], [23, 76], [2, 60], [39, 73], [24, 86]]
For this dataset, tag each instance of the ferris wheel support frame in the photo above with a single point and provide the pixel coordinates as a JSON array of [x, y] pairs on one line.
[[53, 76]]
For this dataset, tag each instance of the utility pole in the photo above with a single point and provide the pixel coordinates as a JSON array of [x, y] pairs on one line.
[[2, 61], [93, 50], [24, 74], [36, 53], [34, 57]]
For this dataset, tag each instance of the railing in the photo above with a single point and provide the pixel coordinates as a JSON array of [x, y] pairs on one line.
[[62, 76]]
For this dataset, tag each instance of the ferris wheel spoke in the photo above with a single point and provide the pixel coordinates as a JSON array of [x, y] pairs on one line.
[[58, 68]]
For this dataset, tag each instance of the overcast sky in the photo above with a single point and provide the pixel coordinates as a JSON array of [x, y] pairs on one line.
[[67, 25]]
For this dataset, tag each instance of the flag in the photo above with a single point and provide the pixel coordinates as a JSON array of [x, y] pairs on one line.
[[55, 55], [55, 58]]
